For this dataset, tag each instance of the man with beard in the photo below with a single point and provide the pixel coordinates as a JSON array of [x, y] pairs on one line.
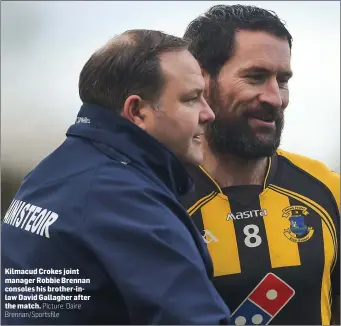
[[266, 215]]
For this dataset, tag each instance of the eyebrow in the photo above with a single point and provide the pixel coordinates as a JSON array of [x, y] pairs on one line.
[[261, 70], [196, 90], [193, 92]]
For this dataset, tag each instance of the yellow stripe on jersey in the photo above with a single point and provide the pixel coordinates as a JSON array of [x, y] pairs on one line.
[[330, 249], [224, 252], [283, 253], [200, 203], [208, 175], [267, 174], [326, 281]]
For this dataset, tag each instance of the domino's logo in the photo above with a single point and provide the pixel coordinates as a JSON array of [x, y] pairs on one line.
[[269, 297]]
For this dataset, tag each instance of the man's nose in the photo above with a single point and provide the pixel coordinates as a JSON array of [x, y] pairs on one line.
[[206, 115], [272, 94]]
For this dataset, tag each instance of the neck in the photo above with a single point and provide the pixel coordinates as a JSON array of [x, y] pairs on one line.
[[230, 170]]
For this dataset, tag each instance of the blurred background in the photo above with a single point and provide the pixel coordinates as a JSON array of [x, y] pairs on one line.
[[44, 46]]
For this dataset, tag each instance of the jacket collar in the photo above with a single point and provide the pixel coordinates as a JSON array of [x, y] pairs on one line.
[[103, 125]]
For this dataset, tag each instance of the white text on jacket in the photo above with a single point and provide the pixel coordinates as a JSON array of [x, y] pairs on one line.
[[29, 217]]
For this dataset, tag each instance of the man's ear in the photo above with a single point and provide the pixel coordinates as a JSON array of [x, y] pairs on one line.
[[136, 110]]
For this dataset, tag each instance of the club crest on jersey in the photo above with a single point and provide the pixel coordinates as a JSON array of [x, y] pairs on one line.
[[298, 230]]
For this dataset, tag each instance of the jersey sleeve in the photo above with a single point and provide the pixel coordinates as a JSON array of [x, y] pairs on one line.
[[150, 255]]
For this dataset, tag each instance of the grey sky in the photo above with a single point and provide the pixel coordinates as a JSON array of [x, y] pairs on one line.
[[45, 44]]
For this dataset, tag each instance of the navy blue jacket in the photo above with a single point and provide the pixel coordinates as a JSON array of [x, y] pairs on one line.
[[100, 218]]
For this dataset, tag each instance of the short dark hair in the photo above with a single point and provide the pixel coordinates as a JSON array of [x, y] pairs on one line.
[[128, 64], [212, 35]]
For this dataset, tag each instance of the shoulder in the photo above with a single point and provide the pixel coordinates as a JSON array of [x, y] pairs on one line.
[[317, 170], [120, 184], [311, 166], [119, 176]]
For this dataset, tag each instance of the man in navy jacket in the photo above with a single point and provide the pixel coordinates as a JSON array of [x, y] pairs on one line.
[[96, 234]]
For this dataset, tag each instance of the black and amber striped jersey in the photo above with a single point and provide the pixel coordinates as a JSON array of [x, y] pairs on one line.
[[289, 227]]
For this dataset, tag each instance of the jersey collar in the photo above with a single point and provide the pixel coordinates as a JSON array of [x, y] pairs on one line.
[[269, 177]]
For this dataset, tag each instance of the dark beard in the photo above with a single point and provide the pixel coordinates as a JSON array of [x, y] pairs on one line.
[[235, 136]]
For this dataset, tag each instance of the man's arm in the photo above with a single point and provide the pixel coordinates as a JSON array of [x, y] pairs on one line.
[[150, 255]]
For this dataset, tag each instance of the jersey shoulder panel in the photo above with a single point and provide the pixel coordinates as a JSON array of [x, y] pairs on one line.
[[317, 170]]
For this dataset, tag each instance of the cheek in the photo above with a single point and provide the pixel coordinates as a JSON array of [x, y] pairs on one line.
[[246, 93], [230, 104], [178, 128], [232, 94], [187, 124]]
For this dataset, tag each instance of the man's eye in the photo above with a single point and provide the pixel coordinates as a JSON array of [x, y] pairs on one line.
[[192, 100], [283, 83], [256, 78]]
